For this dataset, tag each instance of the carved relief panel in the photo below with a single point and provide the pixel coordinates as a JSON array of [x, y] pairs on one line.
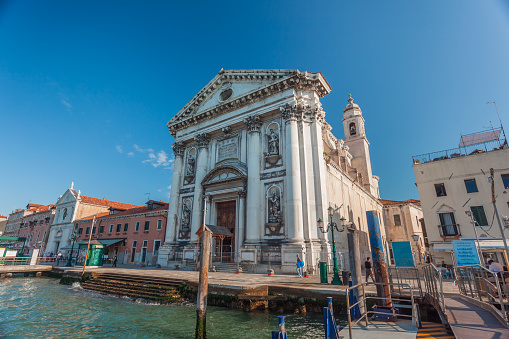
[[185, 218], [190, 166], [274, 210]]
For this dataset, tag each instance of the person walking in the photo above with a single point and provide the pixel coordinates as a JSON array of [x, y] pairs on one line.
[[59, 257], [115, 261], [369, 269], [299, 265]]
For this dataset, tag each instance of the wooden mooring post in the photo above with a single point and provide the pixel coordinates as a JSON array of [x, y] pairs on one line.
[[203, 286]]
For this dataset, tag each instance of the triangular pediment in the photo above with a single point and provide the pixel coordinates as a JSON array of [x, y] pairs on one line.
[[233, 88], [445, 208], [68, 196]]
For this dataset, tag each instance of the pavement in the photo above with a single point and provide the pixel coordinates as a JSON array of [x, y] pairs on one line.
[[402, 329], [230, 280]]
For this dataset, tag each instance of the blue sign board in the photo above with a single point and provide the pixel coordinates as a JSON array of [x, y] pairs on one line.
[[465, 252], [402, 253]]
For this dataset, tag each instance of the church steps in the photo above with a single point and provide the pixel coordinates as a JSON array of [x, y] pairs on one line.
[[124, 285], [160, 281], [133, 293]]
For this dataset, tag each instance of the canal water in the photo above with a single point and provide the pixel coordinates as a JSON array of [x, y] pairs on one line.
[[42, 308]]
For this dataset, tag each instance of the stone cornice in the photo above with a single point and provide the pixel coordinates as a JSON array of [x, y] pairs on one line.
[[282, 80]]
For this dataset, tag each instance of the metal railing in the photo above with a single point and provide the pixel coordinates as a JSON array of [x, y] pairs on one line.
[[480, 283], [12, 261], [402, 276], [452, 230], [459, 152], [434, 286], [363, 299]]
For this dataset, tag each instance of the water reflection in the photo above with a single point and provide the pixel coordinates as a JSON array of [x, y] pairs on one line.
[[41, 307]]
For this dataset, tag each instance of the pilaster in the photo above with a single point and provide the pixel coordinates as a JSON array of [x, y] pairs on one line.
[[254, 226], [176, 183], [203, 140]]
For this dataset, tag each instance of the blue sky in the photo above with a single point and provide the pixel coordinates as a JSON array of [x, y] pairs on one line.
[[86, 87]]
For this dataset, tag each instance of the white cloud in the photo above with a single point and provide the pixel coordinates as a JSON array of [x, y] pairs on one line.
[[66, 103], [119, 149], [169, 187], [156, 159], [136, 147], [130, 154]]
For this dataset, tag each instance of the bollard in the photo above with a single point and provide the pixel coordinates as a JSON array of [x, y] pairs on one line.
[[323, 273], [281, 332]]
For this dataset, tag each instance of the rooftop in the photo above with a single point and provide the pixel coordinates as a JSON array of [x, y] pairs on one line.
[[396, 202], [131, 211], [471, 144], [107, 203]]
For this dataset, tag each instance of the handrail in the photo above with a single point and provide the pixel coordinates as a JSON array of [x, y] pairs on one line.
[[18, 261], [434, 284], [414, 316], [479, 285]]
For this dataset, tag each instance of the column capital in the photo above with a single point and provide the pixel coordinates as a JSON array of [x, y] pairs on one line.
[[294, 111], [202, 139], [178, 148], [253, 123], [242, 193]]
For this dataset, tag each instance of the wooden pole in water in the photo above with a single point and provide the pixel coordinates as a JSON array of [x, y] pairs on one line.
[[201, 302], [88, 247]]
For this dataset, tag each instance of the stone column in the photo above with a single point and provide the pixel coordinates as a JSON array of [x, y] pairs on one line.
[[201, 170], [176, 183], [293, 196], [320, 172], [254, 223], [242, 219]]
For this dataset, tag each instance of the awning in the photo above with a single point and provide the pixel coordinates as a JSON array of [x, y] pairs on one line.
[[109, 242], [216, 231], [489, 243], [442, 247]]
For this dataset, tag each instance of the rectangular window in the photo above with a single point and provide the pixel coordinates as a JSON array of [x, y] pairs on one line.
[[101, 229], [448, 227], [75, 226], [159, 224], [157, 244], [87, 231], [479, 215], [111, 228], [147, 225], [397, 220], [80, 231], [505, 180], [135, 242], [137, 227], [145, 243], [126, 227], [93, 230], [440, 189], [119, 228], [471, 186]]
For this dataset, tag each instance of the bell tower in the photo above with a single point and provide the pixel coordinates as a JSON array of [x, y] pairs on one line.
[[355, 139]]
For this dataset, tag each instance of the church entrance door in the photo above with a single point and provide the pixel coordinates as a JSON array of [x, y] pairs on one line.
[[226, 217]]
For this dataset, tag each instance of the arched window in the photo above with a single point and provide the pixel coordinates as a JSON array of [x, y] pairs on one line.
[[353, 129]]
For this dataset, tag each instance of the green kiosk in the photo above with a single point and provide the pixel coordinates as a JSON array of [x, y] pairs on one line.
[[95, 253]]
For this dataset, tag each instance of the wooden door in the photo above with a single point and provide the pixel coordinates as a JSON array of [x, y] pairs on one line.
[[226, 216]]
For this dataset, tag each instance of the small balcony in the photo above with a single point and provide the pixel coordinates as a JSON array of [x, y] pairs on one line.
[[449, 230]]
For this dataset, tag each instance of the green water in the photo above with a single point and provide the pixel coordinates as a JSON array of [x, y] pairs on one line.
[[42, 308]]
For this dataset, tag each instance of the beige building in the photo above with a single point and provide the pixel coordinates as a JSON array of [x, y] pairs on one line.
[[15, 219], [404, 222], [455, 192]]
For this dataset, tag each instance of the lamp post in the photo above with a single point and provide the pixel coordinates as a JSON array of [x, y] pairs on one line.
[[74, 235], [331, 225]]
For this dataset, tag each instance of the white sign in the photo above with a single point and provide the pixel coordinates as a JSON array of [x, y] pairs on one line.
[[465, 252], [35, 254]]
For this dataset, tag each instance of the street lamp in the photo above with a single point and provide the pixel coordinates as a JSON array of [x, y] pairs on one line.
[[74, 235], [330, 227]]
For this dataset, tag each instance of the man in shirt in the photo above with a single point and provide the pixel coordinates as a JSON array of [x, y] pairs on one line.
[[496, 268], [369, 269]]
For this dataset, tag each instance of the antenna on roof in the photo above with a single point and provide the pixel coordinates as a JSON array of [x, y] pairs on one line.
[[148, 195], [501, 126]]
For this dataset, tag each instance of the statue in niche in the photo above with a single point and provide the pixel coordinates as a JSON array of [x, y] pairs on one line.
[[353, 129], [190, 166], [186, 217], [275, 208], [273, 143]]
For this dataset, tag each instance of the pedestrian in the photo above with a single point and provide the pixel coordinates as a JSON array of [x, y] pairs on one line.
[[59, 257], [299, 265], [495, 268], [369, 269], [115, 261], [428, 259]]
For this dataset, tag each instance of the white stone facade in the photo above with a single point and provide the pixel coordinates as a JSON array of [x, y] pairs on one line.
[[253, 151]]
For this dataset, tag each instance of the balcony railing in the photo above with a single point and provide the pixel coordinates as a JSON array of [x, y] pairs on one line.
[[484, 147], [452, 230]]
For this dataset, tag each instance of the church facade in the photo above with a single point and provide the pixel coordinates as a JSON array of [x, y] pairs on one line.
[[256, 159]]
